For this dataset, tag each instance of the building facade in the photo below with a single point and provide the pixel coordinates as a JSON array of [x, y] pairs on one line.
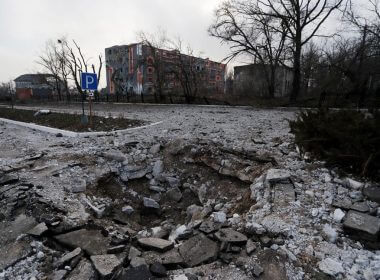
[[250, 80], [38, 86], [143, 69]]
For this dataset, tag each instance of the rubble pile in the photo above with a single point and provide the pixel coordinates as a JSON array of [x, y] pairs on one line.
[[182, 208]]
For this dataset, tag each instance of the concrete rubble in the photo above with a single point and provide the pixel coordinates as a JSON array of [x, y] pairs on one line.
[[196, 197]]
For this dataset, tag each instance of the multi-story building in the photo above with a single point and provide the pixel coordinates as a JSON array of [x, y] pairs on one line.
[[143, 69]]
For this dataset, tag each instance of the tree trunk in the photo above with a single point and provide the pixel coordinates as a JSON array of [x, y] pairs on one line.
[[296, 72], [272, 83]]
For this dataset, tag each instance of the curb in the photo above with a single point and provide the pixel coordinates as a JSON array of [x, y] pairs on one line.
[[67, 133]]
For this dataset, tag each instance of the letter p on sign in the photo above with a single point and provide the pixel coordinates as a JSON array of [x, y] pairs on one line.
[[89, 81]]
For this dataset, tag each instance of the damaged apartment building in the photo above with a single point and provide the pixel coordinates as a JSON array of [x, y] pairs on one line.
[[142, 69]]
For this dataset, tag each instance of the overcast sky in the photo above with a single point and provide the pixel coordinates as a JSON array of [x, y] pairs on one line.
[[26, 25]]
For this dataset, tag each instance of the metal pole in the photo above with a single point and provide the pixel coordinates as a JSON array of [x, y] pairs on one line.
[[83, 97], [90, 97]]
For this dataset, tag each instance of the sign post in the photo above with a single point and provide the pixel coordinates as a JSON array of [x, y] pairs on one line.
[[89, 81]]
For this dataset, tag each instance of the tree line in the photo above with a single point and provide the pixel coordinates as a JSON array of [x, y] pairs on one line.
[[275, 33], [289, 33]]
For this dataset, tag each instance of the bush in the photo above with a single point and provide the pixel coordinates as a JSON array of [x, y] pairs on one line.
[[349, 139]]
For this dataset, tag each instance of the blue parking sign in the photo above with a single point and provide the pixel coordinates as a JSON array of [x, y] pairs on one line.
[[89, 81]]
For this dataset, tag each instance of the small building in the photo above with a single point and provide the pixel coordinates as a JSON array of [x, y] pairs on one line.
[[36, 86], [250, 80], [133, 68]]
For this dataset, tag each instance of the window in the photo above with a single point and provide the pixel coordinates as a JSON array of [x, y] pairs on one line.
[[150, 70], [139, 49]]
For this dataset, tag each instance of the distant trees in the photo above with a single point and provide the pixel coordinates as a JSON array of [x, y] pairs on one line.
[[172, 63], [155, 44], [53, 60], [66, 61], [7, 92], [188, 69], [297, 21], [251, 32]]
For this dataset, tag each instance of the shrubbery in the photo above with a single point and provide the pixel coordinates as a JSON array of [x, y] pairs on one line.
[[345, 138]]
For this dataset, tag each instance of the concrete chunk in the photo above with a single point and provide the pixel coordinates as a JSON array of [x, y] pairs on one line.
[[157, 244], [231, 236], [197, 250], [363, 225], [105, 265]]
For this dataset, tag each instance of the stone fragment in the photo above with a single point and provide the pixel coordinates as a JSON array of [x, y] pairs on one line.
[[251, 247], [265, 240], [362, 225], [150, 205], [283, 195], [133, 172], [350, 183], [180, 233], [133, 253], [173, 182], [338, 215], [254, 228], [137, 261], [329, 233], [372, 193], [155, 149], [116, 156], [342, 203], [157, 244], [257, 270], [40, 255], [174, 194], [180, 277], [275, 225], [116, 250], [105, 265], [13, 252], [158, 270], [277, 175], [91, 241], [82, 271], [171, 258], [58, 275], [197, 250], [158, 168], [331, 267], [231, 236], [360, 207], [139, 273], [38, 230], [219, 217], [128, 210], [176, 146], [65, 259]]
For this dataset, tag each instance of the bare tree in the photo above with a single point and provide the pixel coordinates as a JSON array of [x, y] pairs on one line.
[[155, 45], [77, 63], [187, 69], [7, 92], [303, 20], [309, 64], [370, 21], [252, 32], [53, 62]]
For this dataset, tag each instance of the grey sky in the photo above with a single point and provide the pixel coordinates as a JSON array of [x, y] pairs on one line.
[[26, 25]]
